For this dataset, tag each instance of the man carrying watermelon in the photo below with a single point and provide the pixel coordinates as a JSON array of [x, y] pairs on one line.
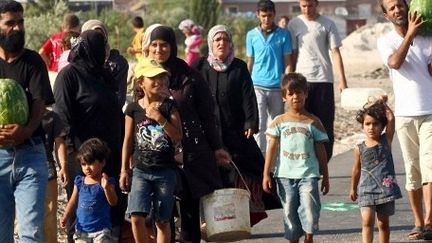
[[407, 52], [24, 92]]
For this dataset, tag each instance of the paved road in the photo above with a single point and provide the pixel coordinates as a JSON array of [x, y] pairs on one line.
[[342, 226]]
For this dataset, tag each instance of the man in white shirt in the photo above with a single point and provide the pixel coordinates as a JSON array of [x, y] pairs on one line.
[[313, 36], [408, 57]]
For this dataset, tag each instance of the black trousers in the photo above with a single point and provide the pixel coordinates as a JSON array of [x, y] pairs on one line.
[[190, 214], [321, 103]]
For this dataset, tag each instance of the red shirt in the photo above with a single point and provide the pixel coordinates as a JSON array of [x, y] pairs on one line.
[[53, 48]]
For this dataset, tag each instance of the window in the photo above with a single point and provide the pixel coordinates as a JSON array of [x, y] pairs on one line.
[[295, 9], [231, 9]]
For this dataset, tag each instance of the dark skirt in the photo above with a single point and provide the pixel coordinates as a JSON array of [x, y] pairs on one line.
[[200, 173]]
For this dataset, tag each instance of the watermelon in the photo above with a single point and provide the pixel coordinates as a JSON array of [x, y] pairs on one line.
[[13, 103], [424, 8]]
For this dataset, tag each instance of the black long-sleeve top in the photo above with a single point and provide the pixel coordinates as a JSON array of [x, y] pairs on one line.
[[88, 106]]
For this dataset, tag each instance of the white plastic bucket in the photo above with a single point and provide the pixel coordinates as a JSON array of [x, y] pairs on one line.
[[356, 98], [226, 213]]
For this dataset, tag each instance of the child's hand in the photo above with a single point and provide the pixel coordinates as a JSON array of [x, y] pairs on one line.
[[63, 221], [153, 112], [325, 185], [353, 195], [124, 181], [130, 51], [64, 177], [267, 184], [104, 181]]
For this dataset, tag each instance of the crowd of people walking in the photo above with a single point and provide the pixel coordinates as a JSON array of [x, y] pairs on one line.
[[135, 140]]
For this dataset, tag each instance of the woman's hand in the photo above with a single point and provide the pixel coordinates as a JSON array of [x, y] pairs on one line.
[[222, 157], [249, 132]]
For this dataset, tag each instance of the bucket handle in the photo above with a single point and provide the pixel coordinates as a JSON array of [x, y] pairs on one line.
[[241, 176]]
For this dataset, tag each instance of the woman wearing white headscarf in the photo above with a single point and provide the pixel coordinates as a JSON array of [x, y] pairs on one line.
[[237, 113]]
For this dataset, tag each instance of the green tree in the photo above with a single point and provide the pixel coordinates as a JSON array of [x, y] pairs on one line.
[[39, 7], [205, 12], [40, 24], [239, 25], [119, 26]]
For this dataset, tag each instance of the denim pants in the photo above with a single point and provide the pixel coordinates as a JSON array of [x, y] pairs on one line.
[[301, 205], [153, 189], [23, 182]]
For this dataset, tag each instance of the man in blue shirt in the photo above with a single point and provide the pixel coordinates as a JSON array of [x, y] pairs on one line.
[[268, 55]]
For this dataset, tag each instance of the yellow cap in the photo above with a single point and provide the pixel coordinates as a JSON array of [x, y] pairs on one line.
[[148, 68]]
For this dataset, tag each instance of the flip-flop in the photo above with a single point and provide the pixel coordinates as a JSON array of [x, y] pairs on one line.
[[416, 233], [427, 232]]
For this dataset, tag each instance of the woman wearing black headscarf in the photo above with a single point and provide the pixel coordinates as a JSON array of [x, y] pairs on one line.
[[86, 100], [202, 146]]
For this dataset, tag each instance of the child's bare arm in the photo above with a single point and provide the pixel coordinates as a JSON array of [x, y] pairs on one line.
[[70, 207], [62, 157], [322, 159], [390, 128], [109, 190], [173, 127], [355, 174], [126, 154], [273, 144]]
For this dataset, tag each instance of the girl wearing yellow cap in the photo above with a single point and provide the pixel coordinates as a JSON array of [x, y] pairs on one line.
[[152, 128]]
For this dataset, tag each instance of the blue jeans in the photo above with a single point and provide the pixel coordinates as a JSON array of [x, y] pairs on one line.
[[301, 205], [153, 188], [23, 182]]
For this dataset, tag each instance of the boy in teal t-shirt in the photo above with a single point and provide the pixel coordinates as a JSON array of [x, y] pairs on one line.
[[296, 139]]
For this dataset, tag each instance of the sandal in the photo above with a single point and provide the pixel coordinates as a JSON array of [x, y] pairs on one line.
[[416, 233], [427, 232]]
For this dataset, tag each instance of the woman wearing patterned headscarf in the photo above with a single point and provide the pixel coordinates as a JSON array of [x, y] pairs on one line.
[[86, 101], [237, 113], [201, 143]]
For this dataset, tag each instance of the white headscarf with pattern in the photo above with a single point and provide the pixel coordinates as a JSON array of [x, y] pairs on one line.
[[216, 64]]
